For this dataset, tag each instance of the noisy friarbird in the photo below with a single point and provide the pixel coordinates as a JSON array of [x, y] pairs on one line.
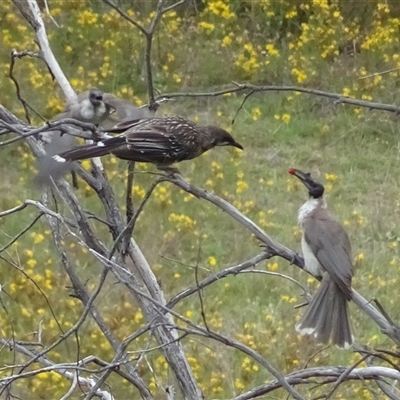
[[327, 255]]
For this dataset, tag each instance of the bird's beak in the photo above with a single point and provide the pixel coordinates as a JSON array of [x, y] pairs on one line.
[[305, 177], [238, 145]]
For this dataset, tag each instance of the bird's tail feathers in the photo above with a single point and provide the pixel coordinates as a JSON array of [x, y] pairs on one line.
[[90, 150], [326, 317]]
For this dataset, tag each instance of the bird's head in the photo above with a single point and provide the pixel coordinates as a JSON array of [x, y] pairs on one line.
[[95, 96], [315, 189], [222, 138]]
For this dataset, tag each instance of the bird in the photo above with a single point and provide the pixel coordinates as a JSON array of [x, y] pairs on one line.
[[125, 111], [87, 107], [91, 106], [160, 140], [103, 109], [327, 255]]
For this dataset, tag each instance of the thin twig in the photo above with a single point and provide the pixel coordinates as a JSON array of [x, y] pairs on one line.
[[379, 73], [216, 277], [344, 375], [129, 186], [13, 56], [127, 231], [26, 229], [242, 105], [126, 16], [199, 291]]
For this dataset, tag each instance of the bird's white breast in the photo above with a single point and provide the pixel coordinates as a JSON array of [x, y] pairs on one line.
[[100, 110], [91, 113], [311, 264], [87, 110]]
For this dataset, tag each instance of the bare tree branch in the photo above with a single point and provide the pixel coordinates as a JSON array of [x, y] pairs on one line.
[[275, 248], [127, 231], [148, 34], [218, 276], [126, 16], [272, 247], [198, 330], [59, 369], [330, 374], [14, 55], [16, 237], [244, 87], [31, 12]]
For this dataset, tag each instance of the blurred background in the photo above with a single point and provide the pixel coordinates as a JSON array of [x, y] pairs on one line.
[[346, 47]]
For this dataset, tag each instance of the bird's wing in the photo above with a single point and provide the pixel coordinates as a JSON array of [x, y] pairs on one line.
[[124, 110], [331, 246], [68, 110], [155, 143], [152, 140]]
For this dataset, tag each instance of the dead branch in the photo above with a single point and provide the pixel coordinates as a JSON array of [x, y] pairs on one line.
[[15, 54], [330, 374], [59, 369], [275, 248], [218, 276], [148, 33], [198, 330], [247, 87], [31, 12]]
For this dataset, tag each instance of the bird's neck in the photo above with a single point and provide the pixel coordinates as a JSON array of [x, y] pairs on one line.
[[208, 139], [309, 207]]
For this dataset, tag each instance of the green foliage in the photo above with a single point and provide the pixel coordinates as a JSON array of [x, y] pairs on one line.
[[333, 46]]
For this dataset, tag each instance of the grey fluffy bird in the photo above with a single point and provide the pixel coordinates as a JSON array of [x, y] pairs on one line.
[[162, 141], [327, 255], [91, 106]]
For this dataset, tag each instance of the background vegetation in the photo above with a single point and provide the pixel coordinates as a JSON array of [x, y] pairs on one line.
[[339, 46]]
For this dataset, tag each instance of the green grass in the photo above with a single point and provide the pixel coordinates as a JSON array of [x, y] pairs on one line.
[[361, 152], [358, 150]]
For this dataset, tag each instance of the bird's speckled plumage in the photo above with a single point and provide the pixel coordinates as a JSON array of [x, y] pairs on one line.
[[162, 141]]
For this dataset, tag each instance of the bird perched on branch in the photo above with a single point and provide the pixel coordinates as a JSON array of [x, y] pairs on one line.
[[162, 141], [103, 109], [327, 255], [91, 106]]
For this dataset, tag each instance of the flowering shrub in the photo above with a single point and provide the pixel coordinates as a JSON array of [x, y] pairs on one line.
[[312, 43]]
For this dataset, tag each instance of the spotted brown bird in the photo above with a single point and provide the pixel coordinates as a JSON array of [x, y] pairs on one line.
[[91, 106], [327, 255], [162, 141]]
